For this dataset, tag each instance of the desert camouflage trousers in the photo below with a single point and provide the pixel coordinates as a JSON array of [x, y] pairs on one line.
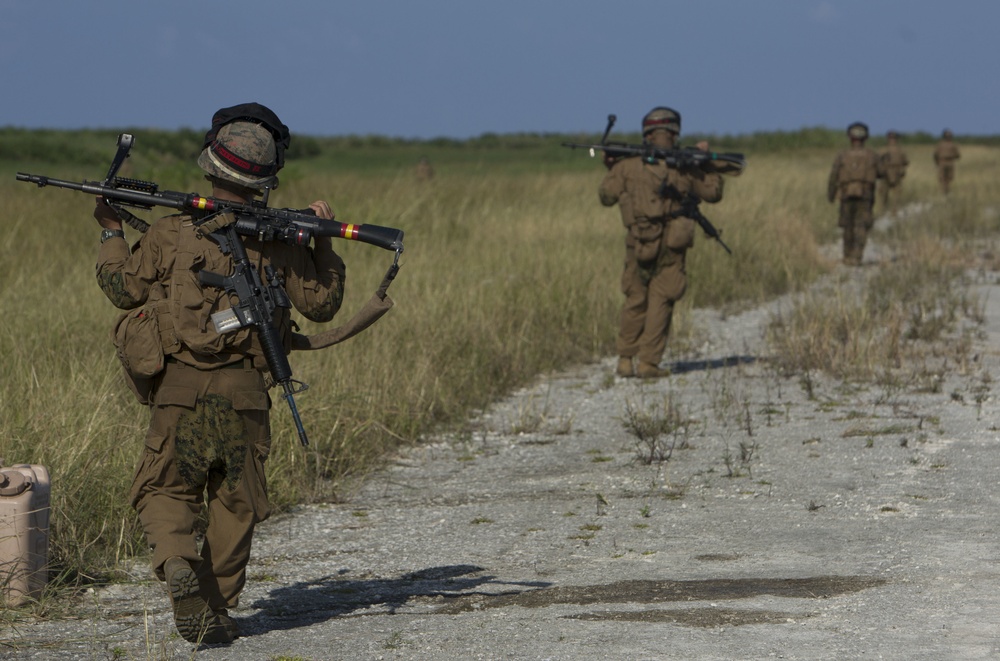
[[208, 439], [945, 175], [650, 296], [889, 196], [856, 219]]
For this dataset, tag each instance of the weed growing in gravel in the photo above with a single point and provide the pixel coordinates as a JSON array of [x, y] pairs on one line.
[[876, 328], [739, 465], [649, 426]]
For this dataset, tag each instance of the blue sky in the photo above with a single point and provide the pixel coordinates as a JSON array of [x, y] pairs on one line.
[[461, 68]]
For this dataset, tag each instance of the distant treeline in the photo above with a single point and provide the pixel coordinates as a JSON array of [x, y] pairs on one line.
[[92, 147]]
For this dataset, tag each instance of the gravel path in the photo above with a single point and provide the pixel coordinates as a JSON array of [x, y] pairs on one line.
[[859, 524]]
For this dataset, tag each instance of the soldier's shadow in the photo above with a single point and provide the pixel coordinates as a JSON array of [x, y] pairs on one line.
[[683, 366], [308, 602]]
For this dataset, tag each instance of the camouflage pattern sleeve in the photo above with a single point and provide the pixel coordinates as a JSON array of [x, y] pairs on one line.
[[126, 278], [881, 167], [315, 280], [613, 185], [834, 181], [707, 186]]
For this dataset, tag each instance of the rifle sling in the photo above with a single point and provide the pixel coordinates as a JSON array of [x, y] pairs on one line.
[[371, 312]]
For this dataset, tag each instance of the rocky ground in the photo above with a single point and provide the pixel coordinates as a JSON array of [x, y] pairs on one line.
[[855, 523]]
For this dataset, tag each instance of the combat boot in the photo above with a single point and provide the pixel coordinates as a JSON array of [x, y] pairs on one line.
[[651, 371], [195, 621], [229, 623], [625, 368]]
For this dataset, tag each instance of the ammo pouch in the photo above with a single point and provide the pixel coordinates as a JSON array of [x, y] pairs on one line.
[[854, 189], [136, 336], [647, 236], [680, 233]]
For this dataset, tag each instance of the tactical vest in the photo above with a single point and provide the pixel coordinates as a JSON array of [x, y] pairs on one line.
[[894, 164], [858, 172]]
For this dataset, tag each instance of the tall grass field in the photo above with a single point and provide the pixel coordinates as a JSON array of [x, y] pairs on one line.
[[511, 269]]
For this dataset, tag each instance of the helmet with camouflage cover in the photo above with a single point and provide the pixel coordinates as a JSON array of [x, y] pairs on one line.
[[661, 117], [947, 134], [243, 153], [858, 131]]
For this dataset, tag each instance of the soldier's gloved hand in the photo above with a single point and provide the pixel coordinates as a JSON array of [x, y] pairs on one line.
[[609, 160]]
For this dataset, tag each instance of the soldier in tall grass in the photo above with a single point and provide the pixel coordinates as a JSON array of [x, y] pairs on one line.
[[649, 194]]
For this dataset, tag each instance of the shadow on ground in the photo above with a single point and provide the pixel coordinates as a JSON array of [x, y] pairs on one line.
[[656, 592], [305, 603], [683, 366], [463, 588]]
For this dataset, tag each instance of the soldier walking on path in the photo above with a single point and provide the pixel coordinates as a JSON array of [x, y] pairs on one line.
[[209, 432], [853, 176], [651, 196], [945, 154]]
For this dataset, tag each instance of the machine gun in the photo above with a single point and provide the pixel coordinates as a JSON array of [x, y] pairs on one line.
[[292, 226], [256, 301], [685, 158]]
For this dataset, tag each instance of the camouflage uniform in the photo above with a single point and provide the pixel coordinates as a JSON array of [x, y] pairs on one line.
[[945, 154], [894, 164], [654, 276], [853, 177], [209, 426]]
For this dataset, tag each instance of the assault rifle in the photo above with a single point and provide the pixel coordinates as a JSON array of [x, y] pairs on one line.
[[256, 301], [684, 158], [689, 209]]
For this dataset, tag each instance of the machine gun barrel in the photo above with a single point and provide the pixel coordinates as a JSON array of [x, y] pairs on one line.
[[289, 225]]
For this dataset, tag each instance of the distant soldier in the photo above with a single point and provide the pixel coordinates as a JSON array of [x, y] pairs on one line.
[[894, 164], [945, 155], [853, 176], [424, 170]]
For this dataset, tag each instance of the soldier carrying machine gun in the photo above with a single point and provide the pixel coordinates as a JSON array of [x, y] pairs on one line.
[[685, 159], [255, 299]]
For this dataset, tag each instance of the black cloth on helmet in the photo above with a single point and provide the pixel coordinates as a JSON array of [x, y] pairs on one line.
[[253, 112]]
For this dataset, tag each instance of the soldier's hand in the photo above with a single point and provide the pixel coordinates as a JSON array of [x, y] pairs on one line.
[[702, 145], [106, 216], [609, 160], [322, 209]]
